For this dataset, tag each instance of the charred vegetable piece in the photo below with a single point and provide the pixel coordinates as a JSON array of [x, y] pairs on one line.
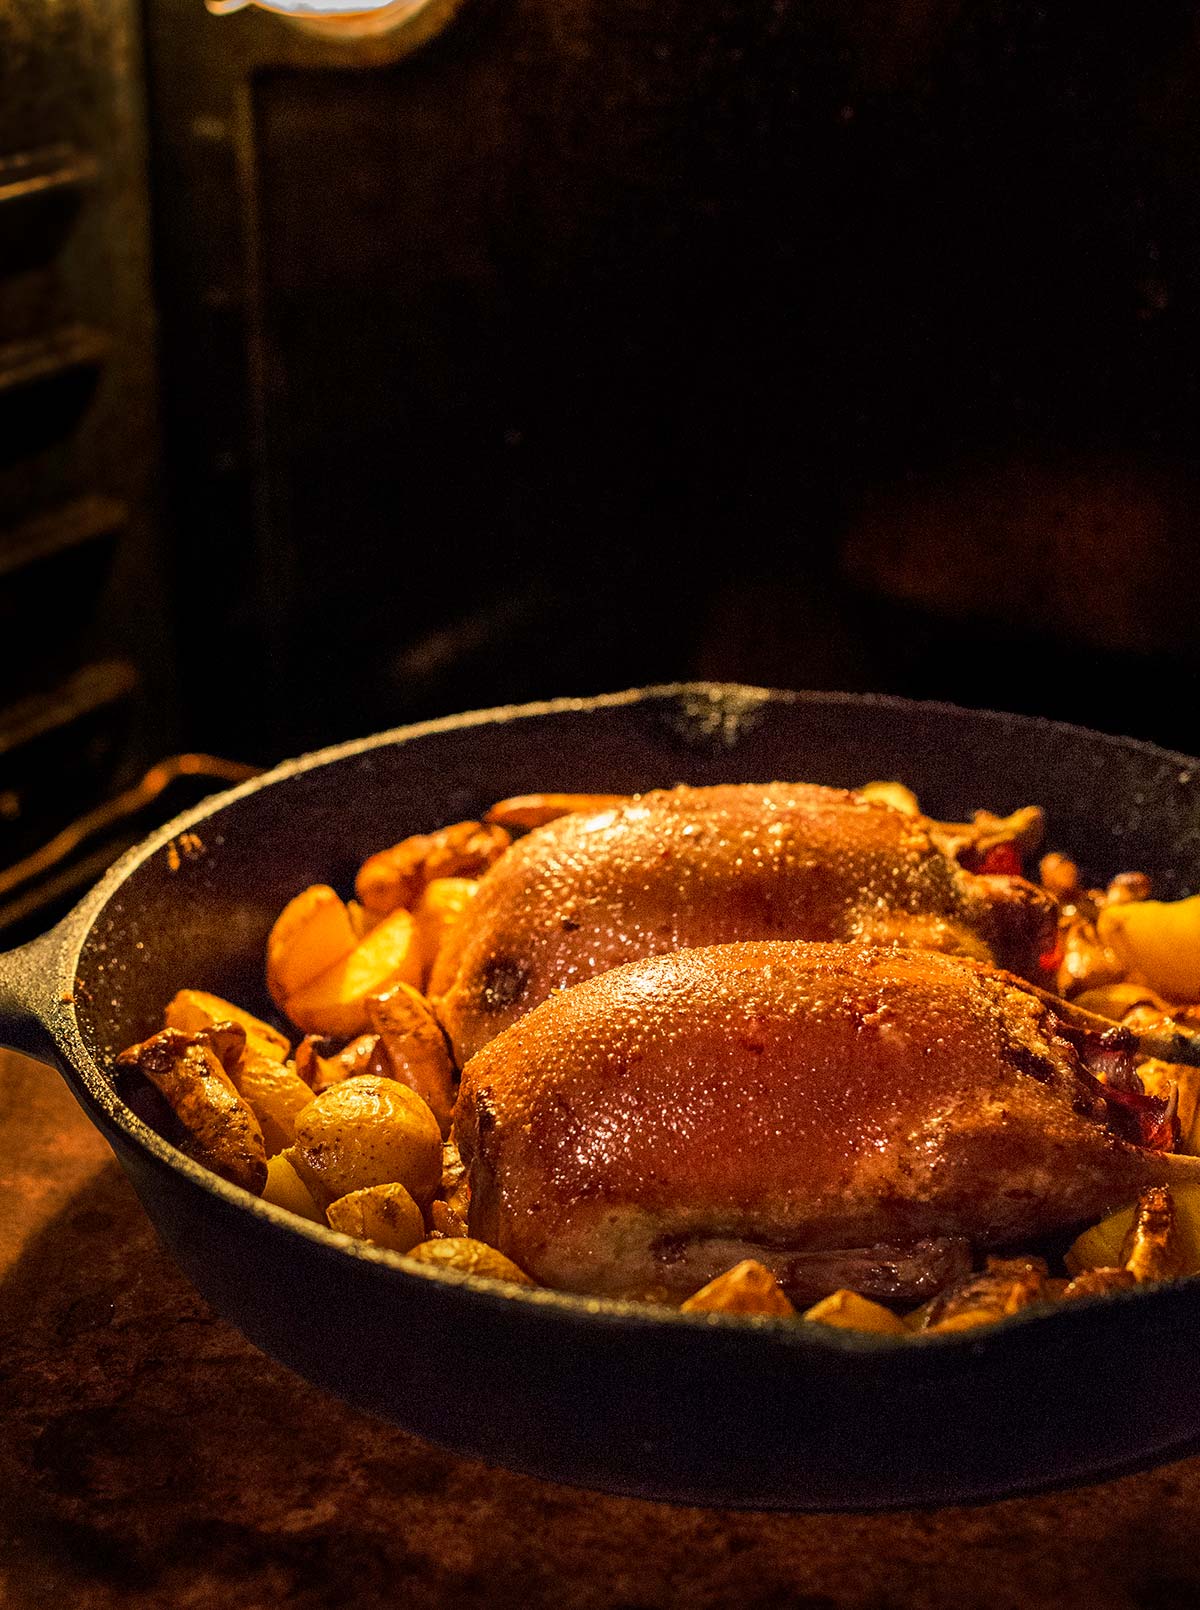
[[415, 1047], [1005, 1287], [470, 1258], [187, 1070], [396, 876], [1095, 1283], [367, 1131], [526, 811], [1107, 1244], [383, 1214], [1151, 1249], [848, 1311], [747, 1288], [320, 1065]]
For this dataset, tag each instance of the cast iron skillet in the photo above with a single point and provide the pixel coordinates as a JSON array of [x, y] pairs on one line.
[[698, 1409]]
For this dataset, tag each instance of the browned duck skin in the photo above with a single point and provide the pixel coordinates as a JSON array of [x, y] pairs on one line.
[[845, 1114], [698, 866]]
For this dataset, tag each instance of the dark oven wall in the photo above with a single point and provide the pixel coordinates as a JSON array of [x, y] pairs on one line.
[[86, 692], [598, 343]]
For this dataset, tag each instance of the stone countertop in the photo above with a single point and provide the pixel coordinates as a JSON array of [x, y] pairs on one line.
[[150, 1457]]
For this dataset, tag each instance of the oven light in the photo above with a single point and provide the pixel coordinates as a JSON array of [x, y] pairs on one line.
[[348, 19]]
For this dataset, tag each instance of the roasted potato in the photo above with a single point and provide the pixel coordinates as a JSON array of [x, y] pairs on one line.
[[471, 1257], [848, 1311], [311, 934], [1158, 939], [275, 1093], [193, 1009], [395, 877], [748, 1288], [336, 1001], [367, 1131], [439, 908], [383, 1214], [287, 1190], [415, 1047]]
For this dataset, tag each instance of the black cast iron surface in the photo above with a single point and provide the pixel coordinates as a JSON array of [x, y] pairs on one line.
[[704, 1409]]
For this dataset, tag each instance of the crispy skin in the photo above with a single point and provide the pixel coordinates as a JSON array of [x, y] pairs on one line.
[[826, 1109], [699, 866]]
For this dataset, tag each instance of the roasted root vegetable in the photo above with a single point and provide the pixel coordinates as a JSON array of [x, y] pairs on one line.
[[367, 1131], [415, 1047], [748, 1288], [275, 1094], [397, 876], [335, 1002], [1158, 939], [287, 1190], [1004, 1287], [439, 908], [1147, 1235], [846, 1310], [383, 1214], [193, 1009], [311, 934], [524, 812], [320, 1065], [469, 1258], [220, 1129]]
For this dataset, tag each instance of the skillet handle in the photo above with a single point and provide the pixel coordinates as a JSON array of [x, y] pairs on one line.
[[30, 984]]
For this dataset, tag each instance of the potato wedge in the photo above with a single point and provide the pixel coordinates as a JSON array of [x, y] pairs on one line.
[[415, 1046], [312, 934], [277, 1096], [441, 905], [1160, 939], [383, 1214], [287, 1190], [748, 1288], [848, 1311], [336, 1001], [1104, 1245], [367, 1131], [193, 1009]]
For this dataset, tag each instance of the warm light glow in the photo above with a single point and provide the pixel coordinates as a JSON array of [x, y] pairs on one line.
[[348, 19]]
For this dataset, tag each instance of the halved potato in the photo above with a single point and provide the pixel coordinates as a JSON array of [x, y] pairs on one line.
[[748, 1288], [335, 1002], [311, 934], [1160, 939]]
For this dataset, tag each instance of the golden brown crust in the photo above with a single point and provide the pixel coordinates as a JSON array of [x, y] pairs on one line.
[[697, 866], [779, 1100]]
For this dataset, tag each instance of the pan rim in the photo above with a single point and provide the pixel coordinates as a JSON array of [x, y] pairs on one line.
[[95, 1090]]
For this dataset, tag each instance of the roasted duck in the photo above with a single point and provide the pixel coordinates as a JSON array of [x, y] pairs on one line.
[[688, 867], [848, 1115]]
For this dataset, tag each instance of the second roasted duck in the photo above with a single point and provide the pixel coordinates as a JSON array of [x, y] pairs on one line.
[[687, 867], [848, 1115]]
